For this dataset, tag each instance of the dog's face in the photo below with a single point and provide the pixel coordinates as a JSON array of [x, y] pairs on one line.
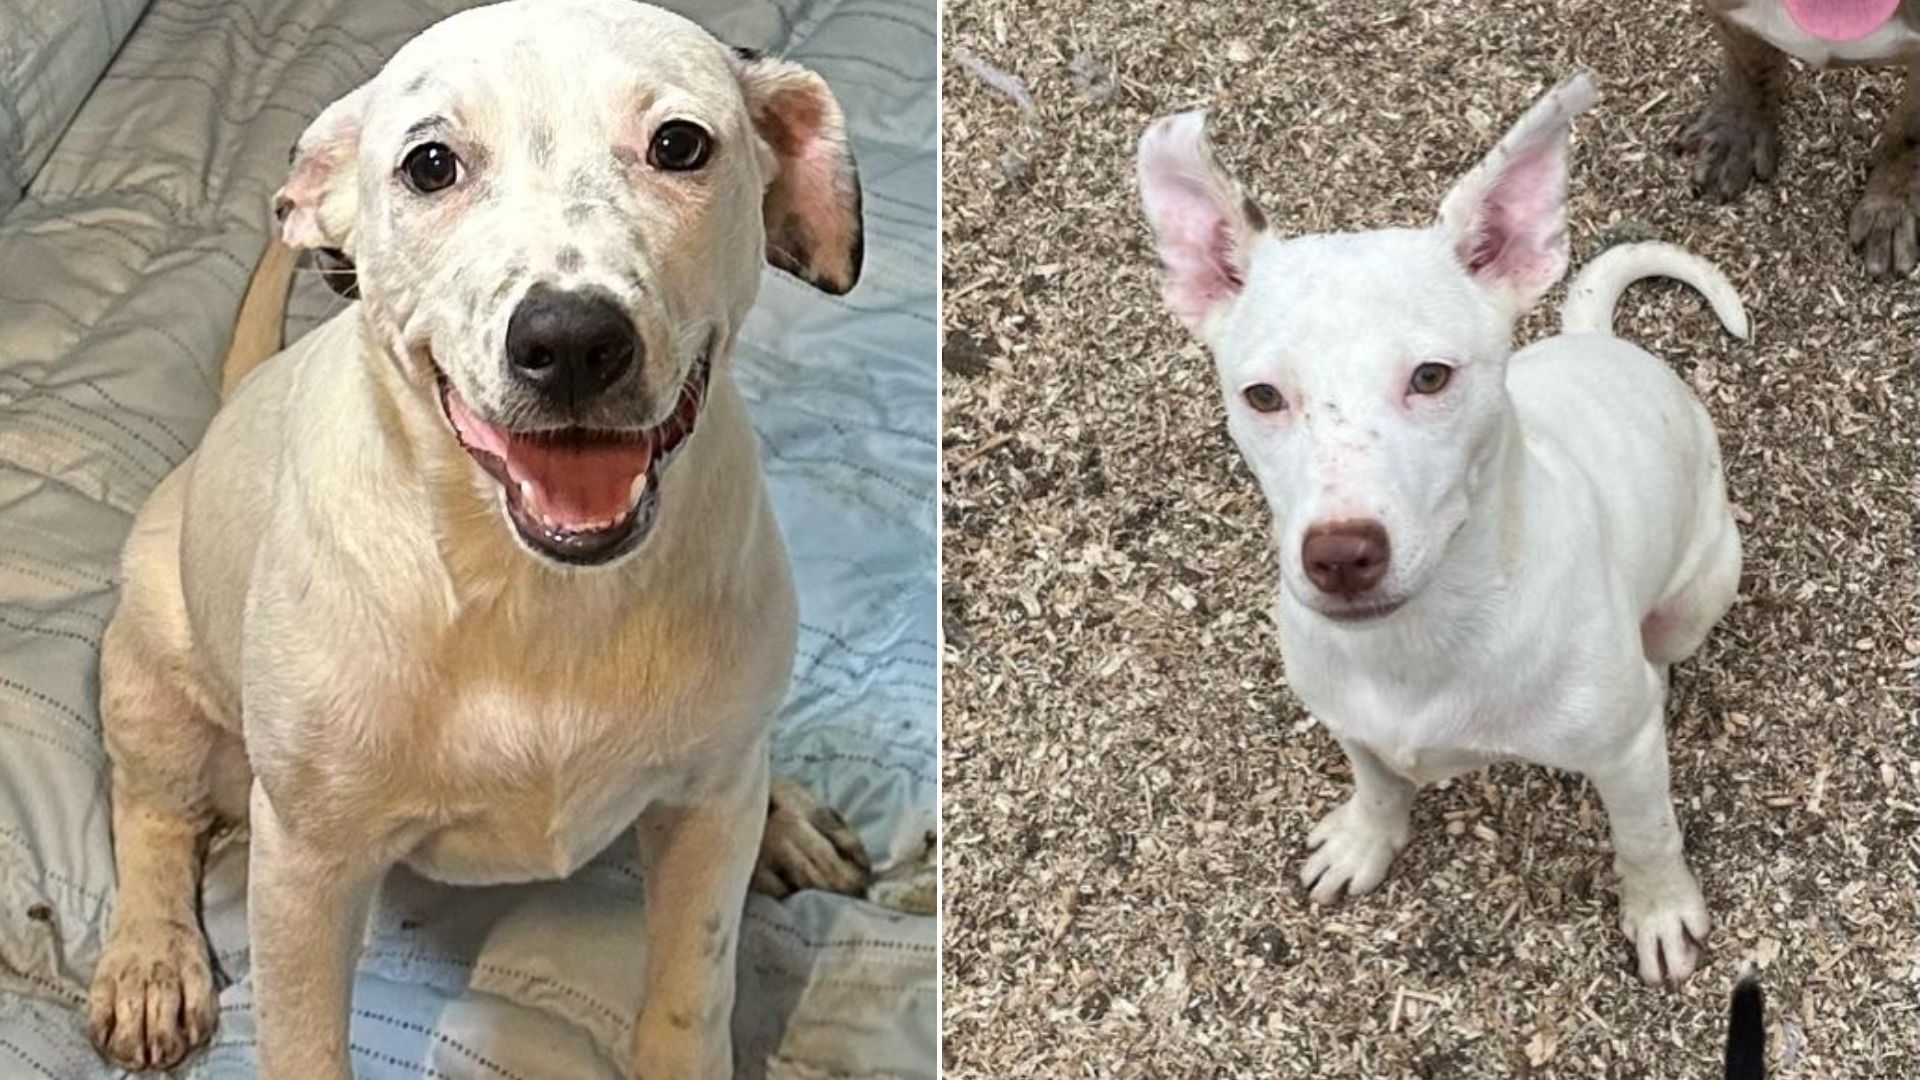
[[557, 215], [1364, 374]]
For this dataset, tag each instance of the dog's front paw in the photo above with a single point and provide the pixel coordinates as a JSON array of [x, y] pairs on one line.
[[152, 1001], [1885, 230], [1733, 145], [808, 845], [1665, 918], [1350, 851]]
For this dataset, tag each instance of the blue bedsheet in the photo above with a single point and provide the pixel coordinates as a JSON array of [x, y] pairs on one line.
[[120, 272]]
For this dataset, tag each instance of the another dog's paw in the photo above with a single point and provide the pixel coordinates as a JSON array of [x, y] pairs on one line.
[[911, 885], [1665, 918], [1733, 145], [1885, 230], [152, 1001], [808, 845], [1350, 851]]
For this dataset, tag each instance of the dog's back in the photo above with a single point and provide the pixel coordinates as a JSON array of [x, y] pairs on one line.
[[1624, 418]]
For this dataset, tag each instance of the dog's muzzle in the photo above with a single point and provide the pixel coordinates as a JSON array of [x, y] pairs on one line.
[[576, 495]]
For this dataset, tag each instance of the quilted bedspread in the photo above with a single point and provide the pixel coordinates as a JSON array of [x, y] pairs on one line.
[[142, 147]]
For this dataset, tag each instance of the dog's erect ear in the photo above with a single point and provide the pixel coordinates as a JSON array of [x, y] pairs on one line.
[[1507, 219], [812, 204], [1203, 225], [316, 205]]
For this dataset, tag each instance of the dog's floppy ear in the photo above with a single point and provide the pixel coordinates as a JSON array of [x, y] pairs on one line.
[[812, 204], [1203, 225], [316, 205], [1507, 219]]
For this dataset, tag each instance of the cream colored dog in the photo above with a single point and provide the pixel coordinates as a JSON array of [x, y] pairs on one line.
[[481, 573]]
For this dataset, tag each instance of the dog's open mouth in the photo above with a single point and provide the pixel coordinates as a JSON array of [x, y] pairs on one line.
[[579, 495], [1359, 612]]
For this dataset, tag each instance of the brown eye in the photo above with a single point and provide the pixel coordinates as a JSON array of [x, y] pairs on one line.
[[1264, 397], [1430, 378], [679, 146], [430, 167]]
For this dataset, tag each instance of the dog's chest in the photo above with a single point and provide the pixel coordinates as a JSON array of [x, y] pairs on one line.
[[528, 796], [1423, 739], [1768, 20], [530, 772]]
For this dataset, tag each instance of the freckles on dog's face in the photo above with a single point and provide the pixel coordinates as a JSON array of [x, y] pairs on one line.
[[1364, 394], [605, 170]]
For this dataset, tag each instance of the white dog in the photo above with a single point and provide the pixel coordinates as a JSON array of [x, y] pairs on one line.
[[1482, 556], [481, 573]]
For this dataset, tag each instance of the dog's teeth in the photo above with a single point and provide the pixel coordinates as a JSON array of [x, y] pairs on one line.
[[528, 497], [638, 489]]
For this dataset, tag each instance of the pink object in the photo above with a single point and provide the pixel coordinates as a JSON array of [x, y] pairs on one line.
[[574, 484], [1841, 20]]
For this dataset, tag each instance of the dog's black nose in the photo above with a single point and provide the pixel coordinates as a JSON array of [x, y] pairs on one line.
[[1345, 558], [570, 345]]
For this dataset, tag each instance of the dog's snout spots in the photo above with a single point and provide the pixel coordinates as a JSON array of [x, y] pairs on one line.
[[569, 260], [1345, 558], [577, 213], [570, 346], [540, 143]]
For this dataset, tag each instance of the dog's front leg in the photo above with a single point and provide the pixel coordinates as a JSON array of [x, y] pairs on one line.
[[1661, 909], [307, 906], [1885, 226], [1352, 847], [696, 860], [1736, 139]]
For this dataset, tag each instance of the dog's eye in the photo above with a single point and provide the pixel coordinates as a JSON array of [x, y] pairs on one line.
[[1264, 397], [679, 146], [430, 167], [1430, 378]]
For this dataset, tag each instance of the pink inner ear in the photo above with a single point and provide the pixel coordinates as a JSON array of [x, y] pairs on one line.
[[817, 190], [1518, 239], [1198, 250], [297, 204], [796, 124]]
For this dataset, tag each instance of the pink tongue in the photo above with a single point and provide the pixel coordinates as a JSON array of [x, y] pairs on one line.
[[1841, 20], [574, 486], [579, 486]]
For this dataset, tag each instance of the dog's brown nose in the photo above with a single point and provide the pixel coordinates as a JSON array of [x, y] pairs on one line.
[[1345, 558]]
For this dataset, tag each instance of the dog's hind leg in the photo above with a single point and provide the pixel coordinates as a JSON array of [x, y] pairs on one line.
[[152, 1000], [1736, 139], [1885, 226], [1680, 622], [807, 845]]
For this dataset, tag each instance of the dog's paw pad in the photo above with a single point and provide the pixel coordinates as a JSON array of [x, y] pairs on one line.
[[1351, 850], [808, 845], [1732, 147], [152, 1001], [1667, 924], [1885, 230]]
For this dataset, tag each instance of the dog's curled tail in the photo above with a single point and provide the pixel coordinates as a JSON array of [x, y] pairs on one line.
[[1597, 288], [1747, 1032]]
